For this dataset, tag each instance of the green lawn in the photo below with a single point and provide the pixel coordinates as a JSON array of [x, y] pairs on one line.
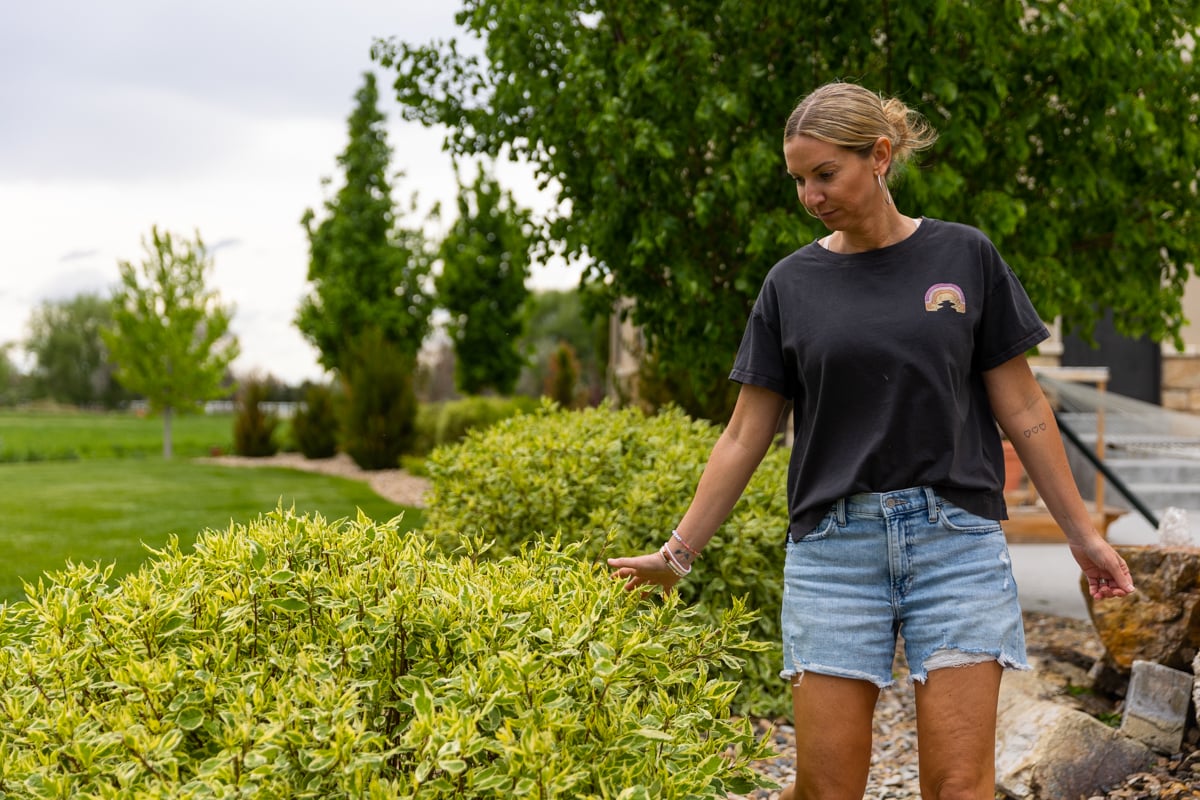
[[103, 509], [66, 435]]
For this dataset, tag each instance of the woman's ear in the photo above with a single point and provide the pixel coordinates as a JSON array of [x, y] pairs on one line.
[[881, 155]]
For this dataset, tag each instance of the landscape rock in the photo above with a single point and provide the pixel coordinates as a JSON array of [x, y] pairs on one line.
[[1196, 687], [1046, 749], [1160, 622], [1156, 706]]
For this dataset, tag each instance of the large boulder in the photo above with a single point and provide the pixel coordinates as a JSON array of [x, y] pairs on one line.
[[1047, 749], [1160, 622]]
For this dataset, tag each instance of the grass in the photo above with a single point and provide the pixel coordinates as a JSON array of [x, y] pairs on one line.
[[104, 509], [58, 435], [93, 487]]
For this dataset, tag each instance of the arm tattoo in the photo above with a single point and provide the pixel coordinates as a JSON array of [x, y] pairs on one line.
[[1035, 430]]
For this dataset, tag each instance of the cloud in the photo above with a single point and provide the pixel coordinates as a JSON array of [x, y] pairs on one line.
[[72, 283], [76, 255], [219, 117], [224, 244]]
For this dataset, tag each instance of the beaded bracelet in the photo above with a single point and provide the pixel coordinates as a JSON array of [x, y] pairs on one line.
[[675, 535]]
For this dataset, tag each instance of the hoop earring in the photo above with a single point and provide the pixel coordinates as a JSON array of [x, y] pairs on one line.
[[887, 195]]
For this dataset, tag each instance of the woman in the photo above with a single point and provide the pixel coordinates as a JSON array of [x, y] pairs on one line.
[[901, 342]]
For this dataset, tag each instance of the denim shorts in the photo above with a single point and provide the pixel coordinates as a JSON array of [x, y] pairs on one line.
[[906, 563]]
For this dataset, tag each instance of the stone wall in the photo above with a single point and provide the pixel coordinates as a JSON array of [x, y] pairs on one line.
[[1181, 382]]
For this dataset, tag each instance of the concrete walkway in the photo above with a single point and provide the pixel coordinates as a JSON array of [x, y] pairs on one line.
[[1048, 577]]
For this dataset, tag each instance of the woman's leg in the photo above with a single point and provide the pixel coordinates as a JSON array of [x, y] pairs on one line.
[[833, 737], [956, 732]]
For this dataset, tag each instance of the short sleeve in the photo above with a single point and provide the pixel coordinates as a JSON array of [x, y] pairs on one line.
[[760, 359], [1009, 324]]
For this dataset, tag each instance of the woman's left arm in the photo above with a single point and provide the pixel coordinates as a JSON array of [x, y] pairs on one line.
[[1027, 420]]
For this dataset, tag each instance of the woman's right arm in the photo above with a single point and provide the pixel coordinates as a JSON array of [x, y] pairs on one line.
[[736, 455]]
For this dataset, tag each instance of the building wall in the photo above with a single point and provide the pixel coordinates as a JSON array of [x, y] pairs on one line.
[[1180, 370]]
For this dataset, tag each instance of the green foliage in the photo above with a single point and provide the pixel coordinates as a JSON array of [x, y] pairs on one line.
[[366, 271], [592, 472], [379, 401], [170, 337], [253, 426], [1068, 129], [315, 423], [13, 385], [452, 420], [563, 377], [71, 362], [292, 657], [485, 261], [564, 316]]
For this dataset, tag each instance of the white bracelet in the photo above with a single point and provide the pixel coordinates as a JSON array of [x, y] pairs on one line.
[[672, 564]]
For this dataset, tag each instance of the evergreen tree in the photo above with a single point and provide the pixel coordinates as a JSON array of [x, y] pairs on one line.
[[366, 271], [485, 261], [379, 402]]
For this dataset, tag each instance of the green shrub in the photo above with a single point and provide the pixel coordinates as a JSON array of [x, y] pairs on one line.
[[380, 403], [298, 658], [563, 376], [586, 473], [315, 425], [426, 424], [448, 423], [254, 426]]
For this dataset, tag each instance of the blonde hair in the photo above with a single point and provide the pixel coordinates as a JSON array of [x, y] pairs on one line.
[[849, 116]]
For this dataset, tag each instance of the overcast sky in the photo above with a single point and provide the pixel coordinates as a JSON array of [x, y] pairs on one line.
[[220, 117]]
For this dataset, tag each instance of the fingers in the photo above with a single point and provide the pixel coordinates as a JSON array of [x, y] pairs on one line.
[[1107, 573], [641, 573], [1114, 582]]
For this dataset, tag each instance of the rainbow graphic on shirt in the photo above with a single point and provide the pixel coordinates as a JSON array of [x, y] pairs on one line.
[[945, 297]]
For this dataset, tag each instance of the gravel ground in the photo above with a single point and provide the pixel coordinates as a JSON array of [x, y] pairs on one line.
[[1062, 650], [395, 485]]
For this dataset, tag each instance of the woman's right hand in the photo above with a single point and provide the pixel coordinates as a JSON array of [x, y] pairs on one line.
[[644, 571]]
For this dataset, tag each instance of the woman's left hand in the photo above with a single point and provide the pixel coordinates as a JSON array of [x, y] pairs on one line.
[[1107, 573]]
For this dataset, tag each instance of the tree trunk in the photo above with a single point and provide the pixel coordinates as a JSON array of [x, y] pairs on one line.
[[167, 414]]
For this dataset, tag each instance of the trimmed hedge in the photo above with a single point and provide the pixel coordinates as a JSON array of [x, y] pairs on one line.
[[618, 481], [299, 658]]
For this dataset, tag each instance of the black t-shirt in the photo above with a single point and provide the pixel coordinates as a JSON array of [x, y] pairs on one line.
[[883, 353]]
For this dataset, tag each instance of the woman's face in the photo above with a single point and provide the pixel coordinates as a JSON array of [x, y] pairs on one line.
[[836, 185]]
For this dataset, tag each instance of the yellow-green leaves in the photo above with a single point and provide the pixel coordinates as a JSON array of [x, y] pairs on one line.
[[617, 482], [294, 657]]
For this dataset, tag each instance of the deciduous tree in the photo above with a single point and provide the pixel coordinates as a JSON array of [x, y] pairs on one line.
[[12, 382], [1069, 135], [71, 363], [170, 337], [366, 270]]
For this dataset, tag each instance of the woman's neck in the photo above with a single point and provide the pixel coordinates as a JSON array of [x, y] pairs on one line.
[[892, 228]]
